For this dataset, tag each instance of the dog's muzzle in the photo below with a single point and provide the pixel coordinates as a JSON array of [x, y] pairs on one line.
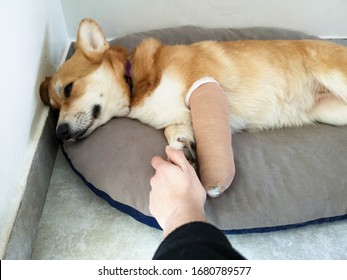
[[64, 132]]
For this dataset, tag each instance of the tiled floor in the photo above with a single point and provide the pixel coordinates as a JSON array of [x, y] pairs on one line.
[[76, 224]]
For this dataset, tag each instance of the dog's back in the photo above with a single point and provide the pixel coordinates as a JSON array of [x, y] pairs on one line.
[[269, 83]]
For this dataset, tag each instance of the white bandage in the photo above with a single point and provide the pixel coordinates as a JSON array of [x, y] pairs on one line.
[[197, 84]]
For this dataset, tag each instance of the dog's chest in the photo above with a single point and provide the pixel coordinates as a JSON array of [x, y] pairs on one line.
[[164, 106]]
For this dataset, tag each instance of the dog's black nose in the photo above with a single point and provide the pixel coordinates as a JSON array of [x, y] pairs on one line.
[[63, 131]]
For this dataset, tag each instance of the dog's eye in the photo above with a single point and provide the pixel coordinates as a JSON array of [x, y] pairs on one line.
[[67, 90]]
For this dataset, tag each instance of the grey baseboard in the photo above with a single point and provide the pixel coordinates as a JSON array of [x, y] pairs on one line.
[[24, 231], [339, 41]]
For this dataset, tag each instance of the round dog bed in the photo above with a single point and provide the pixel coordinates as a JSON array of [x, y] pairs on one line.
[[284, 178]]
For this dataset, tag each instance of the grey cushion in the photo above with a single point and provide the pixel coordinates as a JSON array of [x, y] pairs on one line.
[[284, 178]]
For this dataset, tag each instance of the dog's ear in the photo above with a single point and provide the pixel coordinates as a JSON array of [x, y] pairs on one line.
[[44, 91], [90, 37]]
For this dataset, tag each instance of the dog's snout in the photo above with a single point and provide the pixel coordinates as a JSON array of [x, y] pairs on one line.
[[63, 131]]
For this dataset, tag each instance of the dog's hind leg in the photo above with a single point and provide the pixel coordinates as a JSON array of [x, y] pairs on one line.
[[331, 97], [330, 110], [181, 137], [330, 72]]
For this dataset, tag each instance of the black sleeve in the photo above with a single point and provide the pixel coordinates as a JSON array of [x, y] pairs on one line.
[[196, 241]]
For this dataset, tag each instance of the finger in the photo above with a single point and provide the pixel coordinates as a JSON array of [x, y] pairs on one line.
[[156, 180], [177, 157], [158, 161]]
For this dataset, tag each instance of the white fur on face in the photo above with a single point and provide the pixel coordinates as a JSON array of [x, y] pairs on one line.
[[102, 90], [58, 89]]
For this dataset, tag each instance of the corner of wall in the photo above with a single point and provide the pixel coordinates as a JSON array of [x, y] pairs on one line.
[[20, 233]]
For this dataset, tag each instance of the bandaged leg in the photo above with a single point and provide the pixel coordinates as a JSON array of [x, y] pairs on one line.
[[210, 115]]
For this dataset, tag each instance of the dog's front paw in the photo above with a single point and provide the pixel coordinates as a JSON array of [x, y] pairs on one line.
[[189, 150], [181, 137]]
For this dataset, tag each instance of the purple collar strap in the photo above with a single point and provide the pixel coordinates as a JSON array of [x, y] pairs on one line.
[[127, 75]]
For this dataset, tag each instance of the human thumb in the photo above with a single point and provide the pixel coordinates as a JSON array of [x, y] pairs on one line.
[[176, 157]]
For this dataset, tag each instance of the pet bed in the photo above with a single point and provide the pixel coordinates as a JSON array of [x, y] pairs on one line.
[[284, 178]]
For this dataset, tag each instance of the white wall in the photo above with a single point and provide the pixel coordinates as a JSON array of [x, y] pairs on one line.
[[33, 40], [325, 18]]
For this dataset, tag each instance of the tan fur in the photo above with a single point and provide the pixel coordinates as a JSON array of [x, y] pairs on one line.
[[269, 84]]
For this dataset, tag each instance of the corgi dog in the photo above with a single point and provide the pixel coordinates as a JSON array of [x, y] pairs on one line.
[[269, 84]]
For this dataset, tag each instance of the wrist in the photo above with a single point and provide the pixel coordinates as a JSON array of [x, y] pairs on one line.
[[182, 216]]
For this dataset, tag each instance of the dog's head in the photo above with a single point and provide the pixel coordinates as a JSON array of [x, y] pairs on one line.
[[89, 88]]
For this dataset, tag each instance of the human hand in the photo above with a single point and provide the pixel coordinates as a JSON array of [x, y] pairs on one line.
[[177, 196]]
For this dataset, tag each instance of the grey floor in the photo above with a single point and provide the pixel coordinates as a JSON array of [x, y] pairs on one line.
[[76, 224]]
